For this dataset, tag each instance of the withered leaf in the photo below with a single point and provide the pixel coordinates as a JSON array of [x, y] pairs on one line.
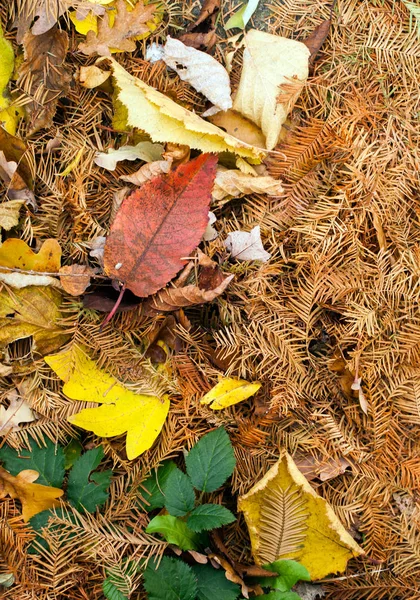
[[75, 278], [15, 170], [207, 17], [315, 40], [44, 76], [199, 41], [159, 225]]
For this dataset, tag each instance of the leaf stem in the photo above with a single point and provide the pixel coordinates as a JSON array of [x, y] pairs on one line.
[[115, 307]]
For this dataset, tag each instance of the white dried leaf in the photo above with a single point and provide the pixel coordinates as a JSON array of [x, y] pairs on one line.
[[154, 52], [273, 74], [22, 280], [200, 70], [211, 233], [97, 248], [246, 245], [146, 151], [9, 213], [232, 183], [309, 591], [357, 387], [18, 411], [148, 171]]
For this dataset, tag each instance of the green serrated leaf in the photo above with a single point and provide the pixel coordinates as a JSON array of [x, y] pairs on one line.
[[281, 596], [209, 516], [172, 580], [213, 585], [179, 493], [111, 592], [48, 461], [174, 531], [71, 453], [151, 488], [289, 571], [86, 491], [211, 461]]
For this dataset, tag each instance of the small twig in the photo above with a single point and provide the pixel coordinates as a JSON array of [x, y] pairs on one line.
[[26, 272]]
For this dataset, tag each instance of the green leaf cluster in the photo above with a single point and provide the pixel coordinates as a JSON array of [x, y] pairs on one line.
[[289, 572]]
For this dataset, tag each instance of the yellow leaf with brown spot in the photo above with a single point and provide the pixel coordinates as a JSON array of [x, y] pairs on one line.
[[15, 253]]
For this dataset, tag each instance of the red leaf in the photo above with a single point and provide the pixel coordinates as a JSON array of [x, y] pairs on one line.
[[158, 225]]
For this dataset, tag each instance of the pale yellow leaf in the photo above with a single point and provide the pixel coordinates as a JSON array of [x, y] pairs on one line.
[[228, 392], [9, 213], [147, 172], [17, 412], [232, 183]]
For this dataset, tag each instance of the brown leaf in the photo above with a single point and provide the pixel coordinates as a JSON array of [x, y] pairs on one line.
[[15, 169], [159, 225], [316, 39], [103, 300], [127, 25], [239, 126], [147, 172], [177, 153], [75, 278], [200, 41], [315, 467], [206, 20], [34, 497], [44, 75]]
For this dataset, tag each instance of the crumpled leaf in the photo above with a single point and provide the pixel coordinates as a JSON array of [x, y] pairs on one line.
[[273, 74], [287, 519], [15, 169], [241, 17], [158, 225], [9, 213], [17, 412], [140, 415], [147, 172], [44, 75], [32, 311], [142, 151], [34, 497], [229, 392], [166, 121], [246, 245], [232, 183], [200, 70], [127, 25], [75, 278]]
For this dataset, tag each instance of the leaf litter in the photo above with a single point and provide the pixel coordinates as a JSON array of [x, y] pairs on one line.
[[309, 288]]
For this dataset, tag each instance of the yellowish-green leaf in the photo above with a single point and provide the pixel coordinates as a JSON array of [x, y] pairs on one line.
[[241, 17], [122, 411], [230, 391], [166, 121], [72, 164], [287, 519]]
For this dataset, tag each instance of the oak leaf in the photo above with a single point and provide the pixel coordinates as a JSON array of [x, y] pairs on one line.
[[232, 183], [34, 497], [229, 392], [44, 75], [269, 62], [158, 225], [287, 519], [140, 415], [16, 254]]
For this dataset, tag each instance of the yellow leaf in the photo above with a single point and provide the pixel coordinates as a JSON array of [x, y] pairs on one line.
[[287, 519], [228, 392], [34, 497], [89, 23], [15, 253], [122, 410], [273, 74], [7, 63], [9, 213], [166, 121], [72, 164], [32, 311]]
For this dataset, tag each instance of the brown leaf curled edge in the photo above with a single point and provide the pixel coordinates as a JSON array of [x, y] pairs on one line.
[[159, 225]]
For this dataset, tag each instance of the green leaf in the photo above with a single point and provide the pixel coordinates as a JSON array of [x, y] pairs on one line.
[[111, 592], [174, 531], [39, 521], [172, 580], [281, 596], [151, 488], [86, 491], [242, 16], [211, 461], [48, 461], [289, 571], [179, 493], [209, 516], [213, 585], [71, 453]]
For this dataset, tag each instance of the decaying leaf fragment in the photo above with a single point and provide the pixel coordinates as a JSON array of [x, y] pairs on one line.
[[229, 392], [287, 519], [75, 278], [232, 183], [246, 245], [166, 121], [140, 415], [15, 169], [148, 172], [17, 412], [273, 74], [142, 151], [34, 497], [9, 213]]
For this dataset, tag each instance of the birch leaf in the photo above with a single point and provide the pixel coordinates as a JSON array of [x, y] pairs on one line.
[[230, 391], [122, 411], [287, 519], [246, 245], [166, 121], [200, 70], [273, 74], [142, 151], [232, 183]]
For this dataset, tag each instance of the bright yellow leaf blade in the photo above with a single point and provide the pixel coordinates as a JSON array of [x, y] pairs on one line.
[[287, 519], [7, 63], [34, 497], [15, 253], [166, 121], [140, 415], [228, 392]]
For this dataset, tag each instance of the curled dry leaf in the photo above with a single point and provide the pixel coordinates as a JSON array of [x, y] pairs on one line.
[[270, 61], [246, 245], [229, 392], [17, 412], [239, 126], [211, 233], [44, 76], [127, 26], [142, 151], [147, 172], [199, 41], [15, 170], [75, 278], [177, 154], [34, 497], [202, 33], [232, 183], [286, 518], [200, 70]]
